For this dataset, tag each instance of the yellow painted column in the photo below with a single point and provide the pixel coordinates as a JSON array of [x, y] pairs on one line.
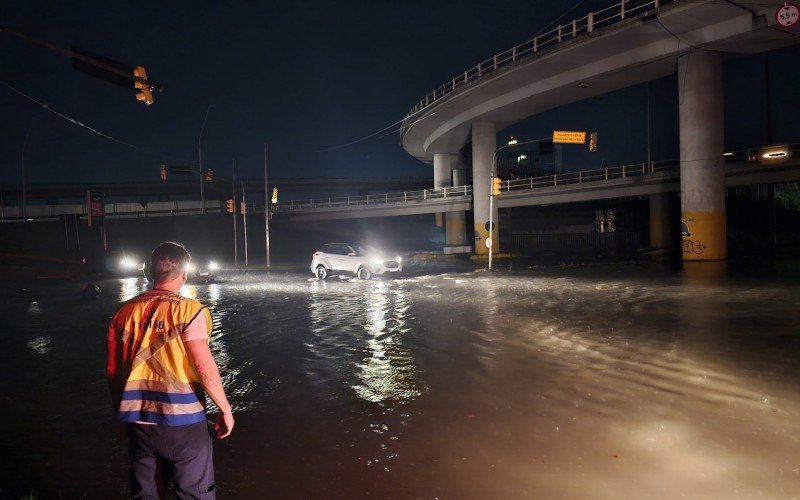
[[700, 107]]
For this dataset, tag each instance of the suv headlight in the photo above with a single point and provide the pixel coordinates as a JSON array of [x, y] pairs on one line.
[[377, 262]]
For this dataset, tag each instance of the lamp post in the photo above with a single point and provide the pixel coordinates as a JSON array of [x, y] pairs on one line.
[[200, 161], [512, 142]]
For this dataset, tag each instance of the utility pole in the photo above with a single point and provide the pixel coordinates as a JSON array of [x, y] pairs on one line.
[[235, 242], [244, 224], [200, 161], [266, 207], [24, 192]]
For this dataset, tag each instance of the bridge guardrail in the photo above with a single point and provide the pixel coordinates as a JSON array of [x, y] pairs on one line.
[[404, 197], [584, 25]]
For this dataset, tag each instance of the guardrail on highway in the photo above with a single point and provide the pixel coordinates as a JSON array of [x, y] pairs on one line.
[[403, 197], [551, 39]]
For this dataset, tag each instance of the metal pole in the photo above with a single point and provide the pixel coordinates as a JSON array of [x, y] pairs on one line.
[[648, 123], [66, 232], [24, 189], [235, 239], [77, 235], [200, 161], [266, 208], [491, 198], [244, 224]]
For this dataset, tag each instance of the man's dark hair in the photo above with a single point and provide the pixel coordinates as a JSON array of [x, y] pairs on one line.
[[168, 261]]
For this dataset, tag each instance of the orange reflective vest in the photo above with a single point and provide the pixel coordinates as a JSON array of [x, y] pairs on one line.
[[161, 385]]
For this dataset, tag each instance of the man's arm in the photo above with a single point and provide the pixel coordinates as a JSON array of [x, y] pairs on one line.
[[113, 373], [200, 354]]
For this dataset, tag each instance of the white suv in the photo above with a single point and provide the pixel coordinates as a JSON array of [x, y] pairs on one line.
[[335, 258]]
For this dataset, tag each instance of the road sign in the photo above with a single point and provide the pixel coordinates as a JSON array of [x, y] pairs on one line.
[[787, 15], [569, 137], [488, 243], [489, 227]]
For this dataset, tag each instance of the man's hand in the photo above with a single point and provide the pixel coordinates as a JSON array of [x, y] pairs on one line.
[[224, 425]]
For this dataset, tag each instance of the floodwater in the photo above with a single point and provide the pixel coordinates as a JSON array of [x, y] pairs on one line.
[[595, 382]]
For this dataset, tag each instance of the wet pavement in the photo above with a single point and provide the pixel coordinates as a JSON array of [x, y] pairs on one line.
[[605, 381]]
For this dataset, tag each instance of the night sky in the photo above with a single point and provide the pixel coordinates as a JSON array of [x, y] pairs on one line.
[[301, 76], [304, 77]]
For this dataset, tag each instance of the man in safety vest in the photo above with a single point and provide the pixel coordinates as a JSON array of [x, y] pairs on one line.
[[159, 370]]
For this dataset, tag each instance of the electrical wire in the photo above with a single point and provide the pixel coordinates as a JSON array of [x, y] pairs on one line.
[[87, 127]]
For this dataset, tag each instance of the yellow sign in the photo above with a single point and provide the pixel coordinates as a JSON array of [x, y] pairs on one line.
[[569, 137]]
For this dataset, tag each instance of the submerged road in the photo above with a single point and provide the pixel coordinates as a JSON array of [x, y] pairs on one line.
[[603, 381]]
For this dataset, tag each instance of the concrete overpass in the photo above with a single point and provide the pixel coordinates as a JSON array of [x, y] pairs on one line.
[[630, 42]]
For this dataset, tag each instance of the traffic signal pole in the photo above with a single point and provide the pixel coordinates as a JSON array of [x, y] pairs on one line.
[[492, 190], [150, 85]]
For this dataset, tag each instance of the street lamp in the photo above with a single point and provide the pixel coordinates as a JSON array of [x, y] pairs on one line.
[[513, 142]]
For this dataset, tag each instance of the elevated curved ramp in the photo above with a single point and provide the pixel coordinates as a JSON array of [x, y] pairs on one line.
[[634, 50]]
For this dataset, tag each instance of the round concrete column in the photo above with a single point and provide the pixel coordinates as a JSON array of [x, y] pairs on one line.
[[702, 143], [484, 144], [660, 236], [455, 225], [441, 177], [442, 166]]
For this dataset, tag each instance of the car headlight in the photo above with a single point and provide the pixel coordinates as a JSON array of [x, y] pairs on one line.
[[399, 259], [377, 262], [191, 268], [213, 266], [128, 263]]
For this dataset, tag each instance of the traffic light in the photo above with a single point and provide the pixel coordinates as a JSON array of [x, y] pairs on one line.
[[496, 183], [244, 208], [144, 94], [593, 141], [209, 175], [229, 206], [274, 195], [163, 172]]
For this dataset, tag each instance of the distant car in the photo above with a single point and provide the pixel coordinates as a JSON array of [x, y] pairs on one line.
[[125, 264], [201, 270], [364, 262]]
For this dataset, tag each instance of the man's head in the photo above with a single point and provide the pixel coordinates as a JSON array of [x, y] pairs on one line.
[[168, 262]]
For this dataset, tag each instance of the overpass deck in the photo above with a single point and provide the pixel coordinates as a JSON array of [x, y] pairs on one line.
[[741, 169]]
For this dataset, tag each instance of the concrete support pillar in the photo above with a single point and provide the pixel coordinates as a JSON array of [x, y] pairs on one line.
[[455, 223], [702, 146], [484, 145], [441, 177], [660, 234]]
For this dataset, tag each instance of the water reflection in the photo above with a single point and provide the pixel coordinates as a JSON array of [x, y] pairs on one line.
[[40, 345], [387, 372], [131, 287], [361, 328]]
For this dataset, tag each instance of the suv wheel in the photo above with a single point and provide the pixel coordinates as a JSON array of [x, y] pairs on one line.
[[363, 273], [322, 273]]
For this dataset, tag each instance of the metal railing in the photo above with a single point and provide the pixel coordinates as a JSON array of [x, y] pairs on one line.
[[637, 171], [394, 198], [603, 174], [544, 42]]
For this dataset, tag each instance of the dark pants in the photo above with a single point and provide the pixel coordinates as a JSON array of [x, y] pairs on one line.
[[182, 453]]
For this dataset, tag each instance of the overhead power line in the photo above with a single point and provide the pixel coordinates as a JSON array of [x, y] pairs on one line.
[[87, 127]]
